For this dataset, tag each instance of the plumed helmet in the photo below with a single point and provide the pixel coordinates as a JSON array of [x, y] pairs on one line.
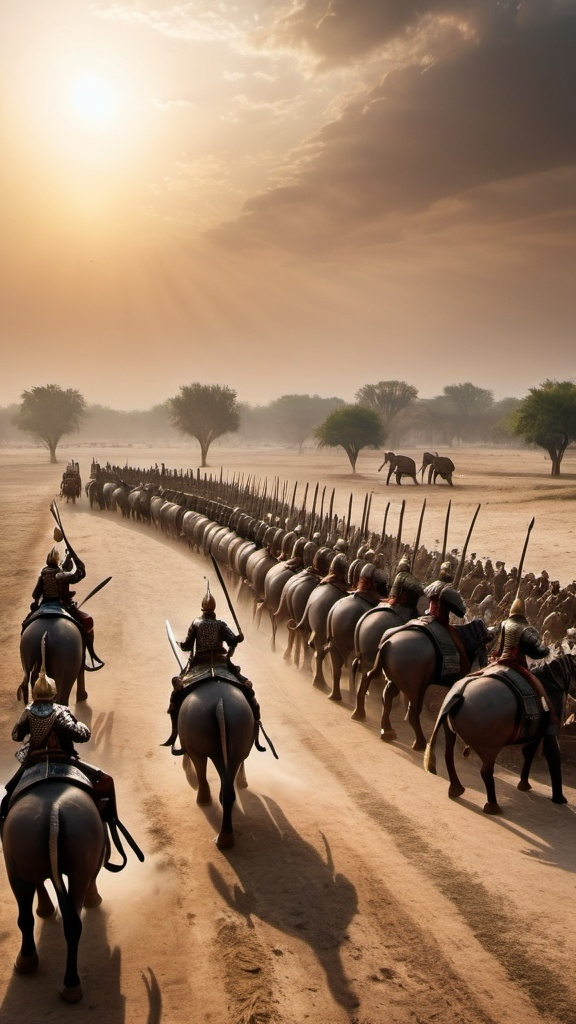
[[208, 602], [53, 557], [440, 591], [44, 688]]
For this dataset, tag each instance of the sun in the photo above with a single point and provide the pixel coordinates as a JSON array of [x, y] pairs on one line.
[[93, 98]]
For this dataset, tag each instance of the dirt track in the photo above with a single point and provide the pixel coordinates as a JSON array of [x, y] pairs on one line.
[[356, 892]]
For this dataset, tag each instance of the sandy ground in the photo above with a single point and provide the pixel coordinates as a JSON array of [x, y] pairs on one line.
[[356, 890]]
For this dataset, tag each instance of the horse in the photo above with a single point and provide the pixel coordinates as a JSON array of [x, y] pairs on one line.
[[65, 651], [484, 712], [215, 721], [54, 829]]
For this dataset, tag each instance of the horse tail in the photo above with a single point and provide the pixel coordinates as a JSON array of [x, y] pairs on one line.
[[220, 718], [448, 708]]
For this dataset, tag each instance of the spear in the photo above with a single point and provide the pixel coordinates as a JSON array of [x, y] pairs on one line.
[[383, 534], [349, 516], [331, 509], [364, 513], [445, 541], [418, 532], [321, 515], [523, 555], [367, 516], [399, 534], [312, 513], [460, 568], [293, 499]]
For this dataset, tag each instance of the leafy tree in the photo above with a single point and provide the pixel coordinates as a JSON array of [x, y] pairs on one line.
[[351, 427], [469, 407], [297, 416], [388, 398], [48, 413], [205, 411], [547, 418]]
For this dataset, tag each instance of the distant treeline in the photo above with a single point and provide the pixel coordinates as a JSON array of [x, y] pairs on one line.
[[291, 419]]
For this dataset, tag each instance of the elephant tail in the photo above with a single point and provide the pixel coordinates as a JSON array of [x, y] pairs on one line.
[[449, 707], [55, 872], [220, 718]]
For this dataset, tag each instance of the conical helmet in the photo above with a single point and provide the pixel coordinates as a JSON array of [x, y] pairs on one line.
[[44, 688], [53, 557], [208, 602]]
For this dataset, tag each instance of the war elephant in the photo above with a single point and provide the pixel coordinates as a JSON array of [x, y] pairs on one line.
[[64, 652], [54, 829], [399, 465], [341, 624], [438, 466], [94, 493], [367, 636], [313, 623], [216, 722]]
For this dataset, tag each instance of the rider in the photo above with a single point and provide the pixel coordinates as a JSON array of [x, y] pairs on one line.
[[52, 731], [519, 640], [211, 642], [54, 584]]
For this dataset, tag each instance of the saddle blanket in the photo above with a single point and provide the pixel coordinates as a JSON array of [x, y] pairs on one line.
[[45, 770], [529, 699], [446, 648]]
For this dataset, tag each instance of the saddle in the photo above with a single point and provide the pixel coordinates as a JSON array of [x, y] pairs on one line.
[[529, 706], [449, 666], [53, 610], [100, 788]]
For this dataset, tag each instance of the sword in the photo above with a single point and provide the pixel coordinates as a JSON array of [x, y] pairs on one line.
[[95, 591], [226, 595], [173, 644]]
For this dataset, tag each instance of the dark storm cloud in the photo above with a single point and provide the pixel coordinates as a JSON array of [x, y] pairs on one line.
[[501, 109]]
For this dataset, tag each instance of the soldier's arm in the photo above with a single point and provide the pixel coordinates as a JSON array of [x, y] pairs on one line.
[[188, 643], [80, 732], [22, 728]]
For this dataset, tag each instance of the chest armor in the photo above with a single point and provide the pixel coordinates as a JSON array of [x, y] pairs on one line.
[[40, 727], [208, 636]]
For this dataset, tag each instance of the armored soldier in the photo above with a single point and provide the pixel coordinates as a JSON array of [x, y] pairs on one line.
[[54, 584], [519, 640], [211, 642], [405, 591]]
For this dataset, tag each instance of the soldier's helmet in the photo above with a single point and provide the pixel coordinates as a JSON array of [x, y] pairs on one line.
[[516, 633], [44, 688], [440, 591], [405, 582], [208, 602], [310, 549], [53, 557], [339, 565], [446, 572]]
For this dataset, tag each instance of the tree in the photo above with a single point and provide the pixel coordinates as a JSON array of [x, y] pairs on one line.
[[352, 427], [297, 416], [48, 413], [388, 398], [204, 411], [547, 418], [470, 405]]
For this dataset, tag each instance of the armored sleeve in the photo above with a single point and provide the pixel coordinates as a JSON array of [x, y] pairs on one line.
[[188, 643], [228, 636], [71, 727], [38, 590], [22, 727]]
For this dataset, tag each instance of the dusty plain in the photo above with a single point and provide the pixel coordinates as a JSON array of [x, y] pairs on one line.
[[357, 891]]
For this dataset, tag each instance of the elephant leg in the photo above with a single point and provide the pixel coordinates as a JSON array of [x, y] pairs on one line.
[[318, 659], [71, 990], [398, 477], [81, 692], [414, 720], [487, 772], [390, 471], [386, 731], [359, 713], [337, 665], [92, 897], [455, 788], [44, 906], [27, 959], [225, 838], [528, 753], [551, 749], [200, 763]]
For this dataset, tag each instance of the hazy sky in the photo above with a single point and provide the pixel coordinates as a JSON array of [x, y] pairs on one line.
[[286, 196]]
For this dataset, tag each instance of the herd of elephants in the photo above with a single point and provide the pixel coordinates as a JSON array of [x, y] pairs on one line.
[[341, 595]]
